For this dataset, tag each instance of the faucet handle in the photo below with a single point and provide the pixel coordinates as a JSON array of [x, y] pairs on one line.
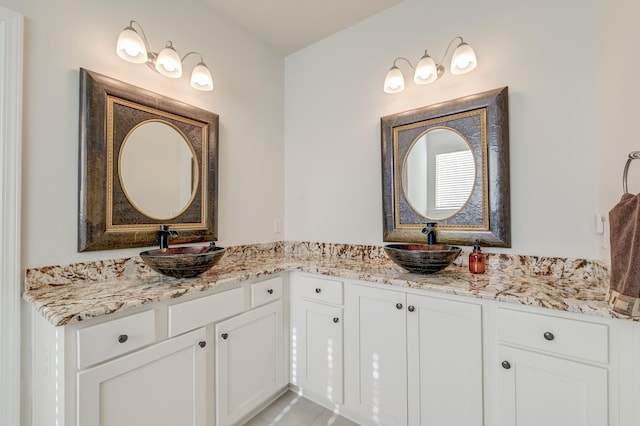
[[165, 229], [430, 231], [163, 236], [430, 227]]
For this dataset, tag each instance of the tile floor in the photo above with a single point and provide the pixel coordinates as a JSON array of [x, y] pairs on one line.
[[293, 410]]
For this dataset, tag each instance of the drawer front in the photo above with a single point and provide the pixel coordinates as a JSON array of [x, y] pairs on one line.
[[578, 339], [113, 338], [320, 289], [197, 313], [266, 291]]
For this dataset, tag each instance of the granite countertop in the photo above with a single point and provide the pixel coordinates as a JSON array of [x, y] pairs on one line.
[[72, 293]]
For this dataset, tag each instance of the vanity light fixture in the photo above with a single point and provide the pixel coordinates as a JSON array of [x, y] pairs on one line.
[[427, 71], [132, 46]]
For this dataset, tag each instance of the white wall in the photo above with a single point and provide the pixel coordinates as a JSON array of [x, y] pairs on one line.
[[618, 93], [542, 50], [62, 36], [568, 140]]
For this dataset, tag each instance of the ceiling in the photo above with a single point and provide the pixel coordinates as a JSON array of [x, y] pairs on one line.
[[290, 25]]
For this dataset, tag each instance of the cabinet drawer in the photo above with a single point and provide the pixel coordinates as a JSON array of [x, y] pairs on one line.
[[196, 313], [319, 289], [578, 339], [266, 291], [113, 338]]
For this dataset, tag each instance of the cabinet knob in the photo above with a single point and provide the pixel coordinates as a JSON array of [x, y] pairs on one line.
[[398, 305], [202, 343], [225, 335], [549, 336], [318, 290], [506, 365], [270, 291], [336, 320], [123, 338], [411, 308]]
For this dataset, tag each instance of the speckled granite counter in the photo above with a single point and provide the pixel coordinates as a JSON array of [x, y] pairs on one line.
[[70, 293]]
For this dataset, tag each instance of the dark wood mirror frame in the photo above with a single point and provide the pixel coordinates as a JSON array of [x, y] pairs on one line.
[[482, 120], [109, 109]]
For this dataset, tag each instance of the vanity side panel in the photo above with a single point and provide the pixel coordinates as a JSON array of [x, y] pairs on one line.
[[636, 372], [48, 378], [629, 349]]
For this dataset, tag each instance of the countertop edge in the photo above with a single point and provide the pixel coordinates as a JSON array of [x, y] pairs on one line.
[[66, 304]]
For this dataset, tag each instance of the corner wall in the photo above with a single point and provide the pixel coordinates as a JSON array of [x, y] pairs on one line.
[[544, 52], [617, 101], [62, 36]]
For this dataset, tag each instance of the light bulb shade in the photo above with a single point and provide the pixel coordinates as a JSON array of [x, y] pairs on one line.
[[394, 82], [201, 78], [426, 70], [130, 46], [168, 62], [464, 59]]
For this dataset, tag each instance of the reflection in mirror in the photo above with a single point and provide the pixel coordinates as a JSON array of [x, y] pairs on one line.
[[157, 170], [438, 173]]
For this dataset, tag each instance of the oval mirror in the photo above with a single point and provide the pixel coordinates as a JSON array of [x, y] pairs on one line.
[[438, 173], [157, 170]]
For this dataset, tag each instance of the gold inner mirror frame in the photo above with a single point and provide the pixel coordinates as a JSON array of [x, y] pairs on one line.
[[116, 138], [431, 195], [153, 149], [479, 197]]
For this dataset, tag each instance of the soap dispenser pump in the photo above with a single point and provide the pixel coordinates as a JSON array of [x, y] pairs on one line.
[[476, 260]]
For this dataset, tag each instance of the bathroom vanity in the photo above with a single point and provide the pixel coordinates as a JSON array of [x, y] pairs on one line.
[[344, 326], [155, 364], [412, 358]]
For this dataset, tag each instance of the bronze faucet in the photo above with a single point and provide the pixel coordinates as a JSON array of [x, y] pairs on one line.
[[430, 232], [163, 236]]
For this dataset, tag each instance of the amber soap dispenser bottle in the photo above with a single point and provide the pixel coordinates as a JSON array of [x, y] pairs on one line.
[[476, 260]]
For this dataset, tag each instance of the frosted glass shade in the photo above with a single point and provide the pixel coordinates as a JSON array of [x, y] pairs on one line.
[[394, 82], [130, 46], [201, 78], [464, 59], [168, 62], [426, 71]]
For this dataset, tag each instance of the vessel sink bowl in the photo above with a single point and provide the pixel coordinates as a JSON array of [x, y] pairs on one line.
[[422, 258], [182, 262]]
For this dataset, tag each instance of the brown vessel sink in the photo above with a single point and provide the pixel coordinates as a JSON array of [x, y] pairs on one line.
[[422, 258], [183, 262]]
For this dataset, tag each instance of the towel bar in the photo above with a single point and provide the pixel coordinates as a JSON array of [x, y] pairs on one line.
[[634, 155]]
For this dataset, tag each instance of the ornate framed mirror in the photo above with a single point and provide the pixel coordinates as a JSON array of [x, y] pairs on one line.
[[145, 160], [448, 163]]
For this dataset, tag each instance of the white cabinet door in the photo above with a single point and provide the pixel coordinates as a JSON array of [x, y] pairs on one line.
[[445, 362], [375, 346], [162, 385], [535, 389], [249, 361], [316, 350]]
